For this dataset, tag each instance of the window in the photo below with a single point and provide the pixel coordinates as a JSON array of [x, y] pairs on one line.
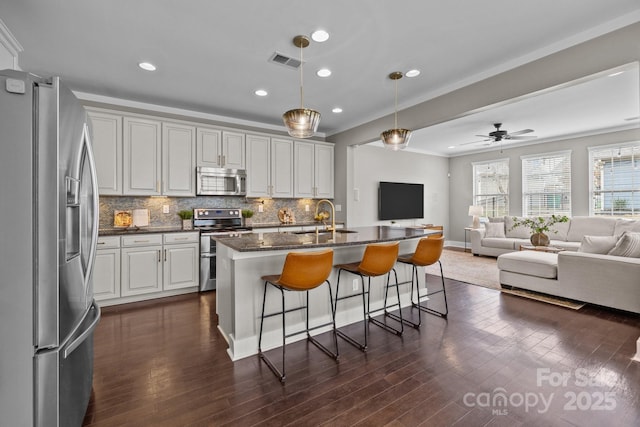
[[491, 187], [546, 184], [615, 180]]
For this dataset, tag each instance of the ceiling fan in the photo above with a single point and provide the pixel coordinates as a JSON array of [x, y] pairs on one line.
[[499, 135]]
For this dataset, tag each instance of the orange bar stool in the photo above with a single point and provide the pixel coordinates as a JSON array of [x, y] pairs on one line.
[[302, 271], [427, 252], [378, 260]]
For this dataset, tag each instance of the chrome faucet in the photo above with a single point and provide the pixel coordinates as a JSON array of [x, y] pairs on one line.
[[333, 214]]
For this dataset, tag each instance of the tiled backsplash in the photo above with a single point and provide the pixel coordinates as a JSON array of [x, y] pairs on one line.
[[108, 204]]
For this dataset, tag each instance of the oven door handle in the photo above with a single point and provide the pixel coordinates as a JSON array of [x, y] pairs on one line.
[[212, 255]]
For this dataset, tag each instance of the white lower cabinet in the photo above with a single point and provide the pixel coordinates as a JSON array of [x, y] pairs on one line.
[[145, 266], [181, 261], [141, 264], [106, 271]]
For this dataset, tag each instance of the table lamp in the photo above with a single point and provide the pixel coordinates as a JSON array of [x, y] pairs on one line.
[[475, 212]]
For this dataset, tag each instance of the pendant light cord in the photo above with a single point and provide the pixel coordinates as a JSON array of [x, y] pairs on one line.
[[301, 78], [396, 107]]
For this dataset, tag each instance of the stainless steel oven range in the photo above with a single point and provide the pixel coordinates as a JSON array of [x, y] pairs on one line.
[[214, 222]]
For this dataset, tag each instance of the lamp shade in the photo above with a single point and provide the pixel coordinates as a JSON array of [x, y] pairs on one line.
[[301, 122], [395, 139], [475, 210]]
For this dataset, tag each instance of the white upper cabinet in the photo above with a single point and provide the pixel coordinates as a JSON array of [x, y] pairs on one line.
[[159, 158], [178, 160], [142, 157], [220, 149], [107, 149], [324, 170], [313, 170], [269, 167]]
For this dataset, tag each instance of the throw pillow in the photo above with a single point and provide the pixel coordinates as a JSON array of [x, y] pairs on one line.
[[494, 229], [628, 245], [597, 244]]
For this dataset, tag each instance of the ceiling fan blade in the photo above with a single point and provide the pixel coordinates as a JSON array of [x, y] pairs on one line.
[[483, 136], [521, 132], [521, 137], [476, 142]]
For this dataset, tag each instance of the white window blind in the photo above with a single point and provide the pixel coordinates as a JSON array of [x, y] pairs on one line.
[[615, 180], [546, 184], [491, 187]]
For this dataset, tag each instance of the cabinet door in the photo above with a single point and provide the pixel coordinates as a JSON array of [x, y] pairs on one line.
[[281, 168], [233, 149], [178, 160], [107, 151], [324, 173], [258, 166], [209, 150], [106, 274], [141, 157], [181, 266], [303, 179], [141, 270]]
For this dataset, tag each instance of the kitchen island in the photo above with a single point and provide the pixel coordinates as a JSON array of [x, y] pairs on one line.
[[242, 260]]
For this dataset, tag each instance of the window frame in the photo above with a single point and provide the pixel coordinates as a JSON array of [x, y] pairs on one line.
[[635, 158], [526, 194], [503, 162]]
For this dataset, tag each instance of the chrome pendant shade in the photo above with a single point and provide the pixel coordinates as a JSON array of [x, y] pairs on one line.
[[301, 122], [397, 138]]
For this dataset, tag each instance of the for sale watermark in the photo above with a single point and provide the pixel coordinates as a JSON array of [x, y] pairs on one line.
[[500, 401]]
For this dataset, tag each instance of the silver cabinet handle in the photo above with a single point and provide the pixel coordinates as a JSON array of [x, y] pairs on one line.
[[101, 243], [165, 255], [140, 241], [159, 256]]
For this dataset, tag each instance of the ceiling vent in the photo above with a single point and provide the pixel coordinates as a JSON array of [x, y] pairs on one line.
[[287, 61]]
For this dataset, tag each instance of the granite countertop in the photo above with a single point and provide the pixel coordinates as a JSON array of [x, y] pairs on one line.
[[144, 230], [295, 224], [291, 240]]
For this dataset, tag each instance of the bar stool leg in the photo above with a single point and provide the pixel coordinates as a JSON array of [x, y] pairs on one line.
[[393, 316], [361, 346], [424, 308], [274, 369]]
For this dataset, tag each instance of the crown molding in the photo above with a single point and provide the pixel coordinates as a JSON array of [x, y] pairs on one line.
[[8, 40]]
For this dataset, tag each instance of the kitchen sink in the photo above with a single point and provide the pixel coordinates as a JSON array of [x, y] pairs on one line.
[[338, 231]]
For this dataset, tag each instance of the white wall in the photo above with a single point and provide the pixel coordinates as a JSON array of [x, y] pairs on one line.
[[370, 165]]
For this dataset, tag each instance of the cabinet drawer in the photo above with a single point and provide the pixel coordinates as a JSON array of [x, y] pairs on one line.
[[175, 238], [108, 242], [142, 240]]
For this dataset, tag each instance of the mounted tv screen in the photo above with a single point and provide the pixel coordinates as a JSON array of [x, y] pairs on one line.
[[398, 200]]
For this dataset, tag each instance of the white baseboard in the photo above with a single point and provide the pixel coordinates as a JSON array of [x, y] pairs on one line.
[[636, 358]]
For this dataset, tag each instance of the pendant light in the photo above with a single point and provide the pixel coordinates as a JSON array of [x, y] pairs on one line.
[[397, 138], [301, 122]]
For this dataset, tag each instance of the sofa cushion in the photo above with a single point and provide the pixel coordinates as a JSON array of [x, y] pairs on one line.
[[531, 263], [623, 225], [559, 230], [494, 229], [597, 244], [564, 245], [628, 245], [498, 242], [590, 226], [520, 232]]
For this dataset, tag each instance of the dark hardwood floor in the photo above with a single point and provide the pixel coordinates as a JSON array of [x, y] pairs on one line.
[[498, 360]]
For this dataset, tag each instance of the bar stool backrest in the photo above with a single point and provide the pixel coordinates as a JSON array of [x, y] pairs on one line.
[[306, 270], [428, 251], [379, 259]]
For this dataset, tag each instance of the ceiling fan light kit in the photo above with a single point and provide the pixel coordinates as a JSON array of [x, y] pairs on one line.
[[301, 122], [397, 138]]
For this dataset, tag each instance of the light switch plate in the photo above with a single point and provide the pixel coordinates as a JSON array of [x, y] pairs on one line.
[[165, 209], [15, 86]]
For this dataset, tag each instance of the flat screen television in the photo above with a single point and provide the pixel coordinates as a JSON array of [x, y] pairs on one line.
[[397, 200]]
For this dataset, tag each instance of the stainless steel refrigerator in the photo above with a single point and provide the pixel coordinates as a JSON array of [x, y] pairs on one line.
[[48, 233]]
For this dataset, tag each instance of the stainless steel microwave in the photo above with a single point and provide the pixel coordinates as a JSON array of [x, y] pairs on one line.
[[220, 182]]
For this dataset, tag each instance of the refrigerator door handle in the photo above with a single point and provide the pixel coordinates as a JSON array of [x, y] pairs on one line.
[[68, 349], [96, 204]]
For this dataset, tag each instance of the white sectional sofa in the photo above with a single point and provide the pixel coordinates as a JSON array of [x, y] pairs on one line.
[[583, 272]]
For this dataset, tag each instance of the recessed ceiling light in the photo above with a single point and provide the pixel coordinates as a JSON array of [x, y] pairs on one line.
[[147, 66], [616, 74], [337, 110], [451, 146], [412, 73], [261, 92], [323, 72], [320, 36]]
